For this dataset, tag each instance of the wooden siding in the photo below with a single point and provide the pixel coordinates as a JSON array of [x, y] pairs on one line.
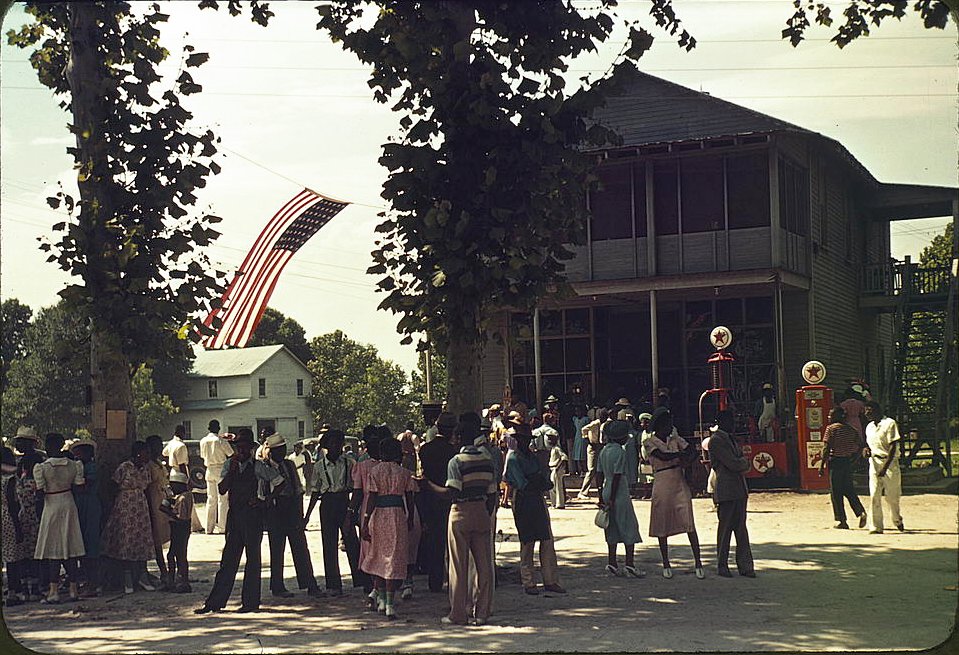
[[838, 326], [749, 248], [642, 256], [796, 351], [701, 251], [613, 259], [237, 386], [667, 255], [577, 268]]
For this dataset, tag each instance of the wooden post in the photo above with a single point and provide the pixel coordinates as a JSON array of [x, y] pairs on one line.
[[537, 364]]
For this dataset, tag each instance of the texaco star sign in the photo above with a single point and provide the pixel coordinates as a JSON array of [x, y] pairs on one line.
[[721, 337], [814, 372]]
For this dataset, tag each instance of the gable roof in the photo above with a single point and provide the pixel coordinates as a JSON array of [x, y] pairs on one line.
[[235, 361], [650, 110]]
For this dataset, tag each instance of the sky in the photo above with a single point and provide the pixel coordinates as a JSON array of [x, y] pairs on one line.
[[293, 110]]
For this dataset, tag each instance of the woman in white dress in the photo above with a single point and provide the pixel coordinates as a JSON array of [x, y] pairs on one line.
[[671, 510], [60, 541]]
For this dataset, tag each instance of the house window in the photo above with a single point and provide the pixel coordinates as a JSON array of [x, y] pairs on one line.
[[702, 194], [211, 388], [611, 204], [187, 429], [747, 189], [301, 429], [665, 200], [794, 197], [262, 386], [299, 386]]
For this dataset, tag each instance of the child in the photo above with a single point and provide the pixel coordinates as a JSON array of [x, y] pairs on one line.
[[180, 511], [26, 493], [558, 463], [12, 532], [387, 524]]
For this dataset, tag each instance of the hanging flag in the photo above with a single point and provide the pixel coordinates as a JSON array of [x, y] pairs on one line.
[[245, 300]]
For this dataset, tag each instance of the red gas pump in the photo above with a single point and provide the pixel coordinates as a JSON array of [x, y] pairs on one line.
[[720, 366], [813, 403]]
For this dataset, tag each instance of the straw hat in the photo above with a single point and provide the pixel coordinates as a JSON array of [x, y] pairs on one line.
[[83, 442], [275, 440], [24, 432]]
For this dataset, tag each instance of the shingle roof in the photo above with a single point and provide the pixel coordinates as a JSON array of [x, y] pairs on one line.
[[235, 361], [650, 110]]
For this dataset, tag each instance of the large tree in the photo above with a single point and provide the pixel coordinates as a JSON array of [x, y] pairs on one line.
[[354, 386], [14, 321], [277, 328], [487, 184], [130, 235]]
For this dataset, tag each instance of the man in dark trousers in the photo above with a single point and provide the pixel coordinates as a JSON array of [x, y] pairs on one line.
[[435, 457], [730, 495], [331, 486], [244, 529], [284, 519]]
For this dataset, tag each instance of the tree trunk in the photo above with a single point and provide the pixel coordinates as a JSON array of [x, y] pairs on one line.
[[463, 360], [110, 383]]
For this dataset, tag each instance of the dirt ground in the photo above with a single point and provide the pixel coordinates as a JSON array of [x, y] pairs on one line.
[[817, 588]]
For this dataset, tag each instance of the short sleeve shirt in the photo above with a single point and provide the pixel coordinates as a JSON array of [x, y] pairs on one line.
[[176, 453], [881, 436], [471, 473]]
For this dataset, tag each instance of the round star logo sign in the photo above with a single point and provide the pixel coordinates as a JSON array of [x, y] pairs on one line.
[[763, 462], [721, 337], [814, 372]]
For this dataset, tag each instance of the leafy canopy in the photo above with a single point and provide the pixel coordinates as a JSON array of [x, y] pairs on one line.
[[277, 328], [487, 185]]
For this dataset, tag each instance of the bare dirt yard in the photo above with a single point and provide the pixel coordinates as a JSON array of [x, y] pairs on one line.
[[818, 588]]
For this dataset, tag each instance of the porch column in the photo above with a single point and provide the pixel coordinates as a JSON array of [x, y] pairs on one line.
[[653, 342], [537, 366]]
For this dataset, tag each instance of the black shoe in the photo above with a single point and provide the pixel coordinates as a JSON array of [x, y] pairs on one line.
[[842, 525], [724, 573], [901, 526], [243, 609], [206, 609], [748, 574], [283, 593]]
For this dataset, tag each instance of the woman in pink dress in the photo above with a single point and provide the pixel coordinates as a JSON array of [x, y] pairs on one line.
[[358, 502], [387, 523]]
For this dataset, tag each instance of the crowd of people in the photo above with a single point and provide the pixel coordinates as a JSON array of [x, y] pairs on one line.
[[400, 504]]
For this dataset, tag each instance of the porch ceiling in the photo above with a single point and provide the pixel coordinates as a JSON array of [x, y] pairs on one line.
[[894, 202]]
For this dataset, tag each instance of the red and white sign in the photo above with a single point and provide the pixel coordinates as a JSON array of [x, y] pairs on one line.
[[814, 372], [721, 337]]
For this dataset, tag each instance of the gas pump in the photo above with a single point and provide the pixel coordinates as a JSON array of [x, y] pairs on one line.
[[721, 371], [813, 403]]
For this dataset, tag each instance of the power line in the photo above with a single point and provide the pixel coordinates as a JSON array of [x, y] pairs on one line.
[[736, 97]]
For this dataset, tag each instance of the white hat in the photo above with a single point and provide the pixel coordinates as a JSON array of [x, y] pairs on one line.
[[179, 476], [275, 440], [85, 441]]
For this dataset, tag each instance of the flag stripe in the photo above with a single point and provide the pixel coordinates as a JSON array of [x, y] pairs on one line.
[[251, 300], [269, 284], [286, 214], [247, 274]]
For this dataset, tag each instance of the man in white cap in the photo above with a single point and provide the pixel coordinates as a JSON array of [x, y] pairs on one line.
[[215, 451]]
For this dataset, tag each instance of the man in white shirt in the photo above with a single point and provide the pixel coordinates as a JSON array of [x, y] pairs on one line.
[[882, 440], [215, 451], [176, 453]]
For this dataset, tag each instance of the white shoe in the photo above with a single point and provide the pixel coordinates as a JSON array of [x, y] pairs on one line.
[[700, 574], [667, 572]]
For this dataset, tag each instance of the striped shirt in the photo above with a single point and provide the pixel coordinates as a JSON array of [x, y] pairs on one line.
[[842, 440], [470, 473]]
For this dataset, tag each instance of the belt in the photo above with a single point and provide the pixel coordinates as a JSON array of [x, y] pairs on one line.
[[390, 500], [51, 493], [335, 493], [665, 468], [470, 499]]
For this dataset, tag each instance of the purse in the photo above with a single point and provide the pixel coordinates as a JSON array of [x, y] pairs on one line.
[[602, 518], [695, 473]]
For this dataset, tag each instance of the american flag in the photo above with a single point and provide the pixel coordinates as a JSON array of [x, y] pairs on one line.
[[246, 298]]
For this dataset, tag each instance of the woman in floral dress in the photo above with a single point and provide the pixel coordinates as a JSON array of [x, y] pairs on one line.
[[157, 492], [12, 535], [127, 536], [359, 501], [387, 523], [26, 491]]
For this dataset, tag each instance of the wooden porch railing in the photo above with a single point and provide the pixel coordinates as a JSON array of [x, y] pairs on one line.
[[903, 278]]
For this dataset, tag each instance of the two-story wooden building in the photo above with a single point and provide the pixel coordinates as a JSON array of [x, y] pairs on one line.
[[258, 387], [713, 214]]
